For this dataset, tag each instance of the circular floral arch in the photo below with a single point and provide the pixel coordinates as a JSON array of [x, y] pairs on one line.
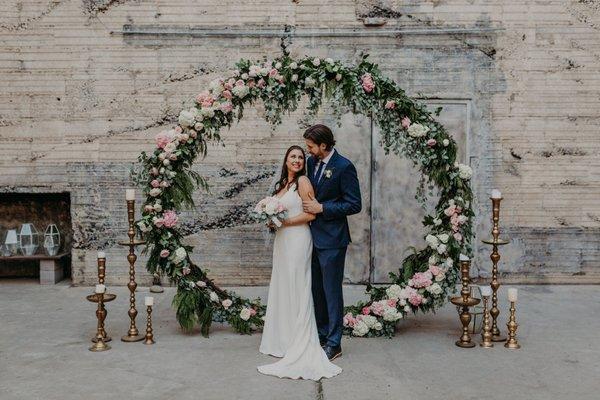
[[424, 278]]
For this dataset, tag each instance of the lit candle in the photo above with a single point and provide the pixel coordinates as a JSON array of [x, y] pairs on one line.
[[149, 301], [462, 257], [512, 295], [101, 254], [496, 194], [486, 291], [130, 194], [100, 288]]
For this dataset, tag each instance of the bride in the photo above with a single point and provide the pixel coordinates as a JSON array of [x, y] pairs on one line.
[[290, 329]]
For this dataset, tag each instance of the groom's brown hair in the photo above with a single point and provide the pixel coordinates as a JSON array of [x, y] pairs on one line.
[[320, 134]]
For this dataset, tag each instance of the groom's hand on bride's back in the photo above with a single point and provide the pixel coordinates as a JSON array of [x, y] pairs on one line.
[[312, 206]]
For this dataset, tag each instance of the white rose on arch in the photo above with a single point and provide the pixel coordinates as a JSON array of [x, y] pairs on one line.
[[464, 172], [179, 255], [432, 241], [393, 292], [360, 329], [187, 118], [417, 130], [245, 314]]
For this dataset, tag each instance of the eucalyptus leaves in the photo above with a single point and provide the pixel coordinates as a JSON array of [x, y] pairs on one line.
[[408, 128]]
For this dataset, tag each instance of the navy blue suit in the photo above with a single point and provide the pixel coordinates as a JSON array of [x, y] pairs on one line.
[[339, 193]]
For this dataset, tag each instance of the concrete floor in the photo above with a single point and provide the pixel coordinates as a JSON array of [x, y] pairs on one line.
[[45, 332]]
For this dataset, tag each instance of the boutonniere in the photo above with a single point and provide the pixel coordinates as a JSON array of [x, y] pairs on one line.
[[328, 173]]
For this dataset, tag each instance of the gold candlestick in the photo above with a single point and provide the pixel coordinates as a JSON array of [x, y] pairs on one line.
[[486, 331], [465, 301], [101, 276], [149, 335], [133, 333], [495, 257], [99, 344], [512, 326]]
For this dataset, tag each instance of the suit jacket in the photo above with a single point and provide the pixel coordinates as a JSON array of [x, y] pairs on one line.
[[339, 193]]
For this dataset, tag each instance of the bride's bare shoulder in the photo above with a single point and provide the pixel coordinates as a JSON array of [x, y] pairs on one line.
[[304, 181]]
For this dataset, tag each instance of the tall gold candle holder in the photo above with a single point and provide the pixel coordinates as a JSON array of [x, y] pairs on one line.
[[512, 326], [101, 276], [486, 330], [465, 301], [149, 334], [133, 333], [495, 241], [100, 298]]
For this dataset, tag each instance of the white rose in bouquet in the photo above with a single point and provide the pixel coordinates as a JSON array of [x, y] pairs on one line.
[[393, 292], [360, 329], [435, 289], [391, 314], [369, 320], [226, 303], [245, 314]]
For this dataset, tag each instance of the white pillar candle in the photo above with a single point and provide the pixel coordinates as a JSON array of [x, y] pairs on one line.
[[462, 257], [512, 295], [149, 301], [496, 194], [486, 291], [101, 254], [100, 288], [129, 194]]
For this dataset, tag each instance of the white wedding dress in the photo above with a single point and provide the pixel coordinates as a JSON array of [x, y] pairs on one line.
[[290, 329]]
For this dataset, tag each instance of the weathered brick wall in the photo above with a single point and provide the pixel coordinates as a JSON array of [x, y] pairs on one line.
[[80, 100]]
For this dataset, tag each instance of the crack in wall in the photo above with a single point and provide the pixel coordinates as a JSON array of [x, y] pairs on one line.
[[25, 24]]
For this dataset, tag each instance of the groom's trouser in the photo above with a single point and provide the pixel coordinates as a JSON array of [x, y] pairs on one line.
[[327, 276]]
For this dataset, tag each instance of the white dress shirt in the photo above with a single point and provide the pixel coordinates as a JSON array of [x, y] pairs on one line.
[[324, 161]]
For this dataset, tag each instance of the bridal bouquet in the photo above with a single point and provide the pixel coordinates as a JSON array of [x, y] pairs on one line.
[[269, 209]]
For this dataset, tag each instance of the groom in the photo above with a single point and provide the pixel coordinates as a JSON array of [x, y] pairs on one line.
[[337, 195]]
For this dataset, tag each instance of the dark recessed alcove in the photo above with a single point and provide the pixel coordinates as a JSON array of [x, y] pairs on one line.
[[41, 210]]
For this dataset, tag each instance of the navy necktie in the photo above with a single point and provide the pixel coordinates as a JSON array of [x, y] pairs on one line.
[[318, 174]]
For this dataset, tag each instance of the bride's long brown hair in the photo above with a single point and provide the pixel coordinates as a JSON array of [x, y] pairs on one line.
[[283, 179]]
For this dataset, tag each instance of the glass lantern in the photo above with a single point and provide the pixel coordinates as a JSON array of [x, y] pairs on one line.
[[28, 239], [10, 246], [52, 240]]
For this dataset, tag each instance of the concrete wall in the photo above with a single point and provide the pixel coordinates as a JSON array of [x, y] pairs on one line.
[[82, 95]]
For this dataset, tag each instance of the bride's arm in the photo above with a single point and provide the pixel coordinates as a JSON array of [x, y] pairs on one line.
[[306, 192]]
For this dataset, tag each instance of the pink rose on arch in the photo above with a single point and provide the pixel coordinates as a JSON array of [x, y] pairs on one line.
[[148, 208], [178, 129], [155, 183], [273, 72], [405, 122], [390, 105], [170, 219], [251, 83], [261, 83], [435, 270], [450, 210], [366, 311], [367, 83], [227, 94], [457, 236], [154, 171], [158, 222], [415, 299], [239, 82], [226, 107], [164, 138], [164, 253], [421, 279], [186, 270], [392, 302], [431, 142], [252, 312]]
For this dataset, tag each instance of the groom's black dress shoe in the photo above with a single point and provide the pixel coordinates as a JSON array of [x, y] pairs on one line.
[[333, 352]]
